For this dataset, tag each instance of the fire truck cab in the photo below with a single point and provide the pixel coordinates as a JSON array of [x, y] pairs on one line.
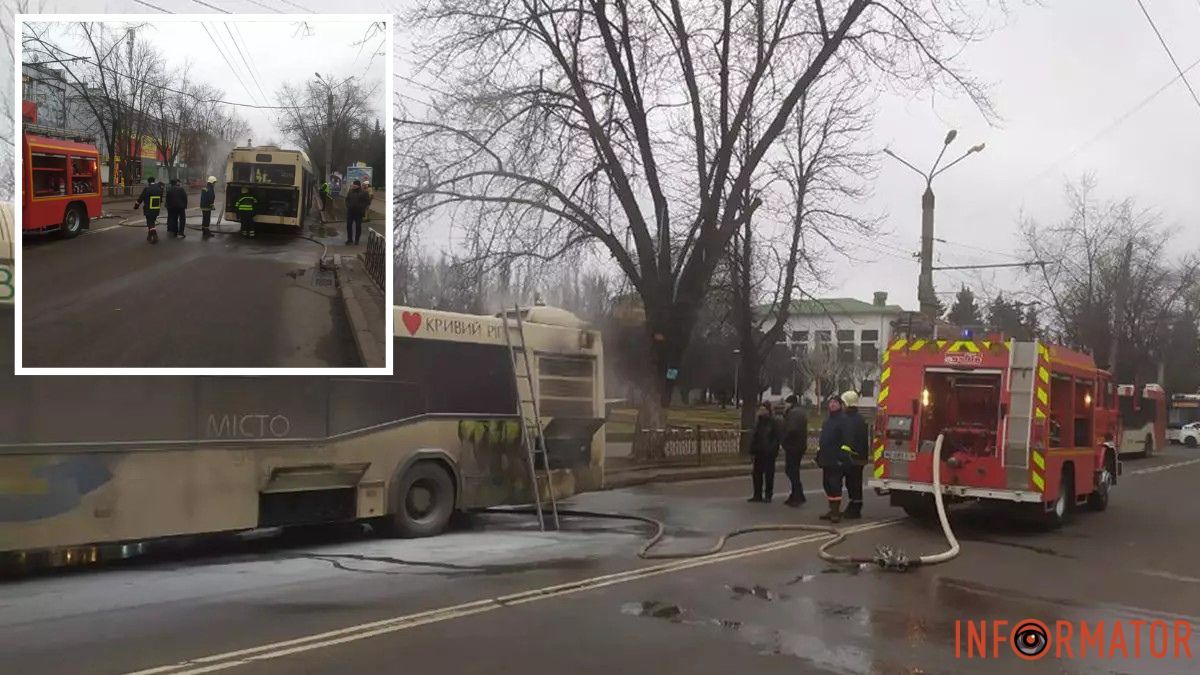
[[1027, 423]]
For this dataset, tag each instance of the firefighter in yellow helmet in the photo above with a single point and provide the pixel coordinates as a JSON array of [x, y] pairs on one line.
[[246, 206]]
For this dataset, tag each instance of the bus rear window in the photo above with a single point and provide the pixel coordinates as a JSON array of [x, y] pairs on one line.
[[248, 172]]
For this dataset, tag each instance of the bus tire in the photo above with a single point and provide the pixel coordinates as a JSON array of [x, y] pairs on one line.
[[1098, 500], [73, 222], [1060, 509], [422, 501]]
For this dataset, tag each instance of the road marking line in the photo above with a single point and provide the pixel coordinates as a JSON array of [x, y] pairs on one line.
[[275, 650], [104, 229], [1164, 467]]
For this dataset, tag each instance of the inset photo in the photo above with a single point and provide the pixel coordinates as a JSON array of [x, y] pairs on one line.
[[203, 194]]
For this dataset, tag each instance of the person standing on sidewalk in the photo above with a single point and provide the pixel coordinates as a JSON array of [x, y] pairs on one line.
[[764, 448], [208, 197], [357, 202], [795, 444], [150, 202], [370, 198], [324, 196], [176, 209], [859, 438], [833, 455]]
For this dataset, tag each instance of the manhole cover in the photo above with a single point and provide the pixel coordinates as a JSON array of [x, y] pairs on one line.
[[322, 277]]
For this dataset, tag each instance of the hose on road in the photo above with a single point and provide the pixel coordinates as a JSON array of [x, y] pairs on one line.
[[886, 557], [139, 222]]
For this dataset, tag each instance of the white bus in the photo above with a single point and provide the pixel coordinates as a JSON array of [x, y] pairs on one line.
[[281, 181], [95, 460]]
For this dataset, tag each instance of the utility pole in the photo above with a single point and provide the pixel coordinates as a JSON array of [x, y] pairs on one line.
[[926, 295], [328, 125], [1119, 310]]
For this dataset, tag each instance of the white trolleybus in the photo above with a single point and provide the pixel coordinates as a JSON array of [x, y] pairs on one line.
[[86, 461], [281, 182]]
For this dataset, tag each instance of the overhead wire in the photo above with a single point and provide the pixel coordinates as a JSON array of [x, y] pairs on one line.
[[1162, 41], [245, 61], [153, 6], [212, 7], [221, 51]]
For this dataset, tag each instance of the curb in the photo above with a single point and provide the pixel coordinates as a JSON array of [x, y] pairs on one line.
[[364, 343], [616, 480]]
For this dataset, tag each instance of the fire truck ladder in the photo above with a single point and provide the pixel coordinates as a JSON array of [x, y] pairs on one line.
[[1022, 362], [531, 421]]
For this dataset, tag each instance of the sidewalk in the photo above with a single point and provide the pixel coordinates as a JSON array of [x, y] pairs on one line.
[[624, 471], [364, 305]]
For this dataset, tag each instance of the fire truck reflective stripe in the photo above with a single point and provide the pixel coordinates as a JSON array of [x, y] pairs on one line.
[[1038, 481], [916, 345], [878, 453], [899, 344], [1040, 414], [879, 471], [1039, 461], [941, 344], [964, 344], [1043, 374], [883, 394], [1042, 396], [987, 344], [883, 377]]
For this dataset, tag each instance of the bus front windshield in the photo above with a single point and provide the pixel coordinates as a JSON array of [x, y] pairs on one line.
[[251, 172]]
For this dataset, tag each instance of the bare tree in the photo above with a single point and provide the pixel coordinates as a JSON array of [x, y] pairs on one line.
[[305, 116], [565, 123], [1098, 247]]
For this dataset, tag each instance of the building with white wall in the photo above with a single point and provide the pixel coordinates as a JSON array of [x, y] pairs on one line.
[[834, 344]]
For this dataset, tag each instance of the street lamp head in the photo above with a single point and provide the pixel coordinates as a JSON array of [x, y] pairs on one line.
[[977, 148], [950, 136]]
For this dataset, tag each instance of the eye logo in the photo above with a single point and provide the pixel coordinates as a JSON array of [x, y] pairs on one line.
[[1030, 638]]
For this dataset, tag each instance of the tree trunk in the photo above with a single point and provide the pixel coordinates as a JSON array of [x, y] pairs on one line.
[[749, 390]]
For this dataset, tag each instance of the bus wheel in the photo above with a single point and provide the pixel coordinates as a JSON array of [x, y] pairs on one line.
[[73, 219], [422, 501], [1098, 500], [1060, 509]]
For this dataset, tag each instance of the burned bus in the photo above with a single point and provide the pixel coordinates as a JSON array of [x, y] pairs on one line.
[[281, 182], [93, 459]]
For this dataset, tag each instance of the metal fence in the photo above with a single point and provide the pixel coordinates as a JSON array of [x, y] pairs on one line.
[[691, 444], [375, 257]]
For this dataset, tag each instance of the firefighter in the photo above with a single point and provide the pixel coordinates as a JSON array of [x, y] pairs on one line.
[[245, 207], [764, 448], [833, 454], [325, 196], [208, 197], [795, 444], [859, 440], [176, 209], [151, 202]]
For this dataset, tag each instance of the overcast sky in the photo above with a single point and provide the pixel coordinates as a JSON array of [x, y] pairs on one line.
[[1064, 71], [277, 51]]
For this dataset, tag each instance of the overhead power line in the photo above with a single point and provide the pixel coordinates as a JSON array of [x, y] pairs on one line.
[[1171, 56], [143, 3], [225, 57], [253, 75], [213, 7]]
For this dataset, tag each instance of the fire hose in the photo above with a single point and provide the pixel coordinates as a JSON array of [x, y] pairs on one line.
[[886, 557]]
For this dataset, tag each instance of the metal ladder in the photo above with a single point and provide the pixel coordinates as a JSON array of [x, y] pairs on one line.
[[1022, 364], [531, 421]]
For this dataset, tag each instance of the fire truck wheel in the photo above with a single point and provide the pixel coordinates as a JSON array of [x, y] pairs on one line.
[[1098, 500], [73, 219], [422, 501], [1060, 509], [920, 507]]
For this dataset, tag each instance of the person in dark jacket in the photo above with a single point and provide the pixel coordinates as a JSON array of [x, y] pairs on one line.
[[208, 197], [795, 444], [177, 209], [859, 437], [764, 448], [833, 454], [150, 201], [357, 202]]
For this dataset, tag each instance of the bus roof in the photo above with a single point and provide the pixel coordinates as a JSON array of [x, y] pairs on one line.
[[414, 322], [297, 155]]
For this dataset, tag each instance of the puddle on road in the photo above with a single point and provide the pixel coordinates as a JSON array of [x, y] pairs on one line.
[[760, 592], [653, 609]]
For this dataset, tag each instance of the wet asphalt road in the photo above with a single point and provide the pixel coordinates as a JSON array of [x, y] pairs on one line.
[[337, 601], [107, 298]]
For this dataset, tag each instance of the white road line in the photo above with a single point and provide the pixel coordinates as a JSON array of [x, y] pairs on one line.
[[1164, 467], [275, 650], [103, 229]]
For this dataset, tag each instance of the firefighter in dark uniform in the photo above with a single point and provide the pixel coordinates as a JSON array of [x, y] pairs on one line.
[[177, 209], [245, 207], [208, 196], [859, 437], [150, 201], [795, 444]]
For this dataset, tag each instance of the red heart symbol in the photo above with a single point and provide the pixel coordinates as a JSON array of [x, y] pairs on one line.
[[412, 321]]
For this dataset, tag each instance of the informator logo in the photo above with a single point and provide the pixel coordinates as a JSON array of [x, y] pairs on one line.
[[1121, 639]]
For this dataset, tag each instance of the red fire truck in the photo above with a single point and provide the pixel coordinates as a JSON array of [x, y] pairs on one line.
[[60, 188], [1028, 423]]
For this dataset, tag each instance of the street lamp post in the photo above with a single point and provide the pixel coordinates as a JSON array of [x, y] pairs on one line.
[[737, 361], [328, 126], [925, 293]]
